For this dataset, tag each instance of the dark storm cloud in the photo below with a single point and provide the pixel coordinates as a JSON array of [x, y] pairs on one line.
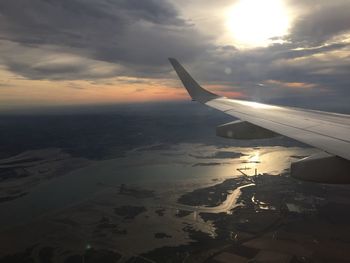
[[323, 79], [96, 39], [75, 22], [288, 51], [142, 34], [137, 34], [322, 22], [52, 22], [151, 10], [313, 54]]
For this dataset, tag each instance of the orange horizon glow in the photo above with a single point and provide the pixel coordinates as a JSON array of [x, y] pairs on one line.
[[224, 90], [21, 92], [294, 85]]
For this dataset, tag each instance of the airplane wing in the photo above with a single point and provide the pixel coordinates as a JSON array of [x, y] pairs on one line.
[[327, 131]]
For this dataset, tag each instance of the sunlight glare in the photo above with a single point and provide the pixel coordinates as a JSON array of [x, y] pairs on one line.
[[255, 158], [254, 23]]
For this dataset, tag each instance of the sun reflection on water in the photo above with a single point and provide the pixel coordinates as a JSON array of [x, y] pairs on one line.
[[255, 158]]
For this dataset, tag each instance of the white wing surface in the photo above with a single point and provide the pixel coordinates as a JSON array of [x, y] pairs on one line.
[[327, 131]]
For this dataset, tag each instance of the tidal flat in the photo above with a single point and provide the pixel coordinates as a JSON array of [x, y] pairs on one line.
[[130, 205]]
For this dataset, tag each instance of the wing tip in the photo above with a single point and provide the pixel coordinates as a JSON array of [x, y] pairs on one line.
[[194, 89], [173, 61]]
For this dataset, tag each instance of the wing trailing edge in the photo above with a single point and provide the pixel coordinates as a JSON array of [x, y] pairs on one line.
[[329, 132]]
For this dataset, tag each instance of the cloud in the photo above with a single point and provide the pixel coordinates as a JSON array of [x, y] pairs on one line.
[[324, 70], [96, 40], [158, 12], [137, 34], [47, 62], [323, 21]]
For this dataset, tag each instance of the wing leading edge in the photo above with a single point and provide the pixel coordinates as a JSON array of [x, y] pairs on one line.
[[327, 131]]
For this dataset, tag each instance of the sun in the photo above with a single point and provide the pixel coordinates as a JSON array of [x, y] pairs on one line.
[[255, 23]]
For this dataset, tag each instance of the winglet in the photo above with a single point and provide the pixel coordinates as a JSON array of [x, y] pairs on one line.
[[193, 88]]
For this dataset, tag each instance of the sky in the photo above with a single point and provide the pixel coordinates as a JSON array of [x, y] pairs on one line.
[[73, 52]]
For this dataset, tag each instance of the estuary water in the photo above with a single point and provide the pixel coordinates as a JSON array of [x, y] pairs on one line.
[[179, 169]]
